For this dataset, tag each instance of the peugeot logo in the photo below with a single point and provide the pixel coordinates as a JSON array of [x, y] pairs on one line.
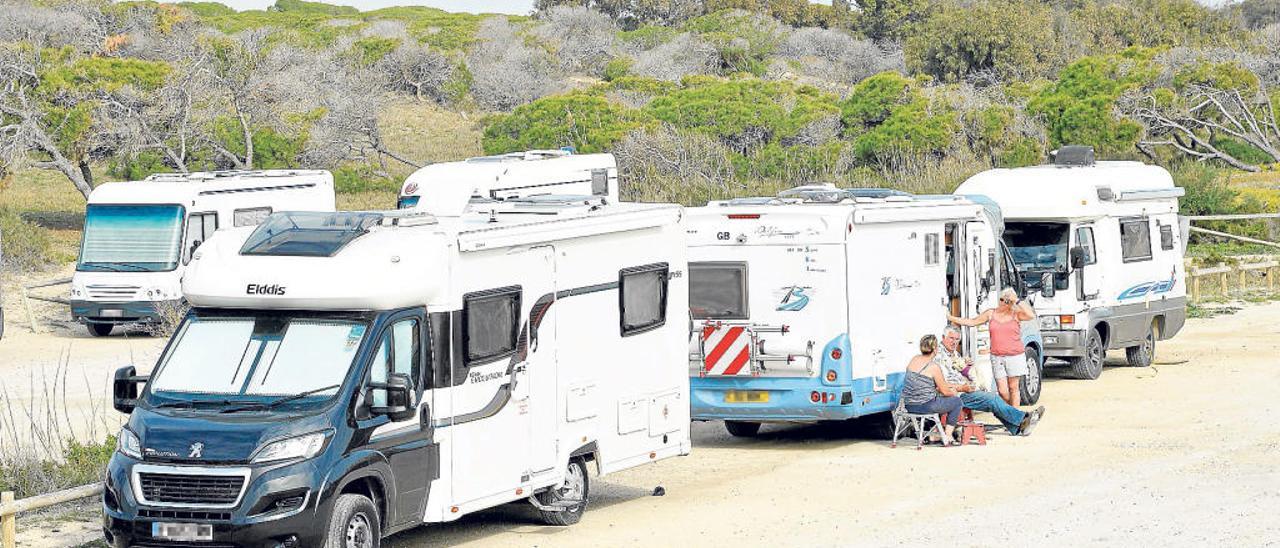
[[197, 449]]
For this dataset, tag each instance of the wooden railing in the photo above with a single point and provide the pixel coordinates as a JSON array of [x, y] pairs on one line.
[[1245, 277], [10, 508]]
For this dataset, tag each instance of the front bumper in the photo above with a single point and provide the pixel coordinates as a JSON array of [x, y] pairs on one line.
[[1063, 343], [128, 523], [119, 313], [790, 399]]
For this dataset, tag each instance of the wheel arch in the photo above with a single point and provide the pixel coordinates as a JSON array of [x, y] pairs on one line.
[[589, 452], [1104, 331]]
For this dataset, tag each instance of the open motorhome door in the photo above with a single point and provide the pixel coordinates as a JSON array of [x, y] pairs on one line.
[[980, 267]]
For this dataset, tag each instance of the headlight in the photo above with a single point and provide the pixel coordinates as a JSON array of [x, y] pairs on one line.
[[301, 447], [128, 445], [1049, 322]]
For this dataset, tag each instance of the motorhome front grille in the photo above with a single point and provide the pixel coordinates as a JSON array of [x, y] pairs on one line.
[[184, 515], [190, 489], [113, 292]]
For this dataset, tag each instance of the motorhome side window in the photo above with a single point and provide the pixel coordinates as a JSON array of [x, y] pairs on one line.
[[718, 291], [1135, 240], [1166, 237], [200, 226], [931, 248], [491, 320], [643, 298], [252, 216], [1084, 239], [399, 351]]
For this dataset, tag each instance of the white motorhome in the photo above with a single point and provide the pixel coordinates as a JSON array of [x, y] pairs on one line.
[[1102, 243], [519, 174], [435, 362], [808, 306], [139, 235]]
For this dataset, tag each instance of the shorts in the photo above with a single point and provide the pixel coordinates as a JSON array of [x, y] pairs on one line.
[[1003, 367]]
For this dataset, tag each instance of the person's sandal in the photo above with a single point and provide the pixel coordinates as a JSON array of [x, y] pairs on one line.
[[1033, 418]]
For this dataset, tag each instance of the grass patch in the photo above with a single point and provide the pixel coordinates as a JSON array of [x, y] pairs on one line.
[[375, 200], [27, 247], [1204, 312]]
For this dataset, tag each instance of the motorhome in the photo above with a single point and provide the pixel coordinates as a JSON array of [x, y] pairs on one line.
[[1102, 243], [524, 174], [140, 235], [807, 306], [351, 375]]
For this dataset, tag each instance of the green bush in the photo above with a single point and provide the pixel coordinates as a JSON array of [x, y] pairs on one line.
[[80, 464], [371, 50], [302, 6], [743, 39], [361, 178], [887, 116], [1008, 38], [26, 246], [744, 113], [617, 67], [586, 121], [1078, 107]]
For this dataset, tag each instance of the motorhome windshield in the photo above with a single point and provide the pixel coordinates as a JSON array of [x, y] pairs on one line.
[[1038, 246], [232, 360], [131, 238]]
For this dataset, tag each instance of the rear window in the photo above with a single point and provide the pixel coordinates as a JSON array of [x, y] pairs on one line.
[[718, 291]]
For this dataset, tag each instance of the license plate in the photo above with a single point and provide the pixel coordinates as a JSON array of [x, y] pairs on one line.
[[182, 531], [746, 396], [112, 313]]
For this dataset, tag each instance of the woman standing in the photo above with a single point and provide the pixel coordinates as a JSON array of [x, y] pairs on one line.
[[1008, 360], [926, 390]]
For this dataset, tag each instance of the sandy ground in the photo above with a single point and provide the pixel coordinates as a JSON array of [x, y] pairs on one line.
[[1181, 453]]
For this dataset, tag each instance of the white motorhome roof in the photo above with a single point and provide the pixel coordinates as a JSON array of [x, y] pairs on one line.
[[402, 258], [516, 174], [182, 188], [1074, 192]]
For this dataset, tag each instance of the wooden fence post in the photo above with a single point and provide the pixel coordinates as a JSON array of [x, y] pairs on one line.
[[1244, 279], [1222, 282], [8, 523], [1195, 289]]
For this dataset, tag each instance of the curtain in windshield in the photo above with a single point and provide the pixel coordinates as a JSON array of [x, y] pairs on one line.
[[1037, 245], [261, 358], [131, 237]]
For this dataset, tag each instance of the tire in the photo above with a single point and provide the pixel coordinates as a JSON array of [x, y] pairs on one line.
[[1089, 366], [354, 523], [99, 329], [576, 486], [1034, 381], [742, 429], [1144, 354], [880, 426]]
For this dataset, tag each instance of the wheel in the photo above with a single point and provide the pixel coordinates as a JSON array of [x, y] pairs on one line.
[[1031, 384], [354, 523], [576, 487], [741, 429], [99, 329], [1145, 353], [1089, 366]]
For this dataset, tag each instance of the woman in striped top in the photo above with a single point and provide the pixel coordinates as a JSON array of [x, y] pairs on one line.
[[926, 390]]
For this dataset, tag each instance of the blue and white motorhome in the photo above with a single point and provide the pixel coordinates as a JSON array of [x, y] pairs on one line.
[[140, 235], [1103, 244], [807, 306]]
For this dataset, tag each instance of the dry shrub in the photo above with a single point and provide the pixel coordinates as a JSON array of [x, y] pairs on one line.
[[171, 314], [684, 55], [506, 70], [667, 164], [918, 174], [581, 39], [832, 58]]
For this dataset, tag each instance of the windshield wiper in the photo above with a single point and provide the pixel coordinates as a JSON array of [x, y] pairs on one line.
[[273, 403], [184, 404]]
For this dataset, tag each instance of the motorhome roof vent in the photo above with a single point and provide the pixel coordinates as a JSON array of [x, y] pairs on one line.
[[877, 193], [818, 193], [1072, 155]]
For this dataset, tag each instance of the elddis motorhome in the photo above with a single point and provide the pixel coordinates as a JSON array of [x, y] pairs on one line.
[[808, 306], [1108, 235], [350, 375], [140, 235], [530, 173]]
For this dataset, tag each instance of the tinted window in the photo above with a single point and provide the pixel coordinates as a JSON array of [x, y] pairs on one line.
[[718, 291], [129, 238], [200, 227], [1135, 240], [1166, 237], [491, 322], [398, 352], [643, 298]]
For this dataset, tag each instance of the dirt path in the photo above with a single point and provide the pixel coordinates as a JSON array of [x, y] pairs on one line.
[[1181, 453]]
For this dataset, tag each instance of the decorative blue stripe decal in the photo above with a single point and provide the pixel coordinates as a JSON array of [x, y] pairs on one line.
[[1150, 288]]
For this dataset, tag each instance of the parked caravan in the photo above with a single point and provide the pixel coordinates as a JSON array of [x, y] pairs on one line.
[[519, 174], [808, 306], [350, 375], [140, 235], [1102, 244]]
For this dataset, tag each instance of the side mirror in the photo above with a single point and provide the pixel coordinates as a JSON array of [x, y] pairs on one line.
[[1047, 287], [1077, 257], [124, 389], [400, 404]]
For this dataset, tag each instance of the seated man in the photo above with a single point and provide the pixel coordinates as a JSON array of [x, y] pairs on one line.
[[1017, 421]]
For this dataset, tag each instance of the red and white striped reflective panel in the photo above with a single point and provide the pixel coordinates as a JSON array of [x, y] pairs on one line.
[[726, 349]]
